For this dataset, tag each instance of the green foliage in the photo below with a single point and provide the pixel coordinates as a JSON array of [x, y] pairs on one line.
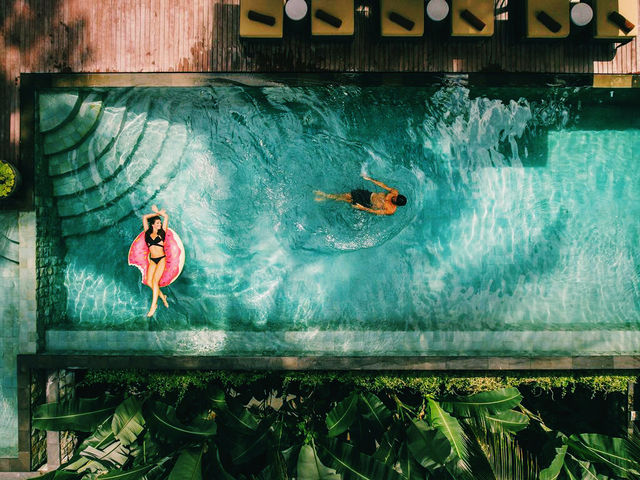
[[79, 414], [425, 384], [7, 179], [189, 465], [268, 428]]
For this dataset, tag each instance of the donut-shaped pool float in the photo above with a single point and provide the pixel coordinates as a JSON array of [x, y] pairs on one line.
[[173, 249]]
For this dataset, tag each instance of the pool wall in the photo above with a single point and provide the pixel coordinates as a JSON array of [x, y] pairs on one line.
[[479, 342], [23, 318]]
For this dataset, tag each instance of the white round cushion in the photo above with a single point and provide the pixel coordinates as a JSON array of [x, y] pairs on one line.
[[296, 9], [437, 10], [581, 14]]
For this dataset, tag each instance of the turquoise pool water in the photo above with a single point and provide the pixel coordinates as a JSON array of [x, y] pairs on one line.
[[522, 211]]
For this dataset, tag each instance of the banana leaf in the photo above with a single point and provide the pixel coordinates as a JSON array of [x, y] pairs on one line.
[[602, 449], [362, 437], [145, 451], [77, 414], [580, 470], [159, 469], [450, 427], [246, 448], [387, 451], [102, 436], [163, 421], [214, 467], [342, 416], [409, 468], [188, 466], [217, 399], [137, 473], [276, 468], [353, 465], [428, 445], [114, 455], [494, 401], [498, 456], [60, 475], [310, 467], [507, 421], [237, 418], [127, 421], [374, 411], [553, 471]]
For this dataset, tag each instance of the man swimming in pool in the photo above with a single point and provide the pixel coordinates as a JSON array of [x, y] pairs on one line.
[[382, 203]]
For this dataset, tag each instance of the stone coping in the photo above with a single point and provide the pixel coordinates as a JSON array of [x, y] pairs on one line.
[[333, 363], [353, 345], [32, 81]]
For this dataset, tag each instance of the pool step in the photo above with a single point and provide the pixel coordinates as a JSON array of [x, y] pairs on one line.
[[55, 109], [96, 144], [73, 132], [133, 188], [111, 161], [112, 184]]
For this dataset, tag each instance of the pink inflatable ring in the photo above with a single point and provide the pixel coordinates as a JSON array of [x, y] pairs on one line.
[[173, 249]]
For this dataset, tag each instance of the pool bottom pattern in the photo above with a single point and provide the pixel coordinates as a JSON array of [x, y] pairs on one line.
[[346, 343], [519, 237]]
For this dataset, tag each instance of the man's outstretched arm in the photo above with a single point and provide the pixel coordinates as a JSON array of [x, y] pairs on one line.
[[380, 184], [370, 210]]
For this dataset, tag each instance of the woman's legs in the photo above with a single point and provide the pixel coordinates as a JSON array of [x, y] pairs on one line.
[[338, 197], [155, 279]]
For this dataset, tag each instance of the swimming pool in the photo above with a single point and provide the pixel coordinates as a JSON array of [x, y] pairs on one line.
[[520, 234]]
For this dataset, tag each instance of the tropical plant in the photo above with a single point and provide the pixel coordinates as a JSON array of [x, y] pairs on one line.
[[8, 179], [308, 435]]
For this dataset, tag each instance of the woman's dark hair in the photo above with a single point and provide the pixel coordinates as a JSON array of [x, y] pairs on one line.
[[147, 234], [399, 200]]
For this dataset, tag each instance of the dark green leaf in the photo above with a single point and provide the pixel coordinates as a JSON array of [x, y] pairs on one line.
[[409, 468], [375, 412], [163, 420], [311, 468], [605, 450], [579, 469], [508, 421], [342, 416], [78, 414], [188, 466], [387, 451], [428, 445], [245, 448], [60, 475], [137, 473], [494, 401], [552, 472], [237, 418], [215, 465], [353, 465], [450, 427], [127, 421]]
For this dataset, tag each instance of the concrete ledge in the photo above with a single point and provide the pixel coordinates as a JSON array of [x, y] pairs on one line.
[[464, 346], [392, 363]]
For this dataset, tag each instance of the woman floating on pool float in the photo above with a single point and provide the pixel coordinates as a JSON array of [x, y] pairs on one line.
[[159, 255], [379, 203]]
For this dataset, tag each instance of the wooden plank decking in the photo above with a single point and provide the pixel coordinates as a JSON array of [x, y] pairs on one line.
[[202, 36]]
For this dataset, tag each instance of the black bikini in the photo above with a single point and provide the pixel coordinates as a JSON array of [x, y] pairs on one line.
[[155, 242]]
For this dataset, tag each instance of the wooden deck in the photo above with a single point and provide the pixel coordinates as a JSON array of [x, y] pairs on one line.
[[202, 36]]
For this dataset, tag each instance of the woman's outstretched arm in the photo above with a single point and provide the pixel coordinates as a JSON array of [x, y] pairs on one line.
[[165, 222], [145, 220]]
